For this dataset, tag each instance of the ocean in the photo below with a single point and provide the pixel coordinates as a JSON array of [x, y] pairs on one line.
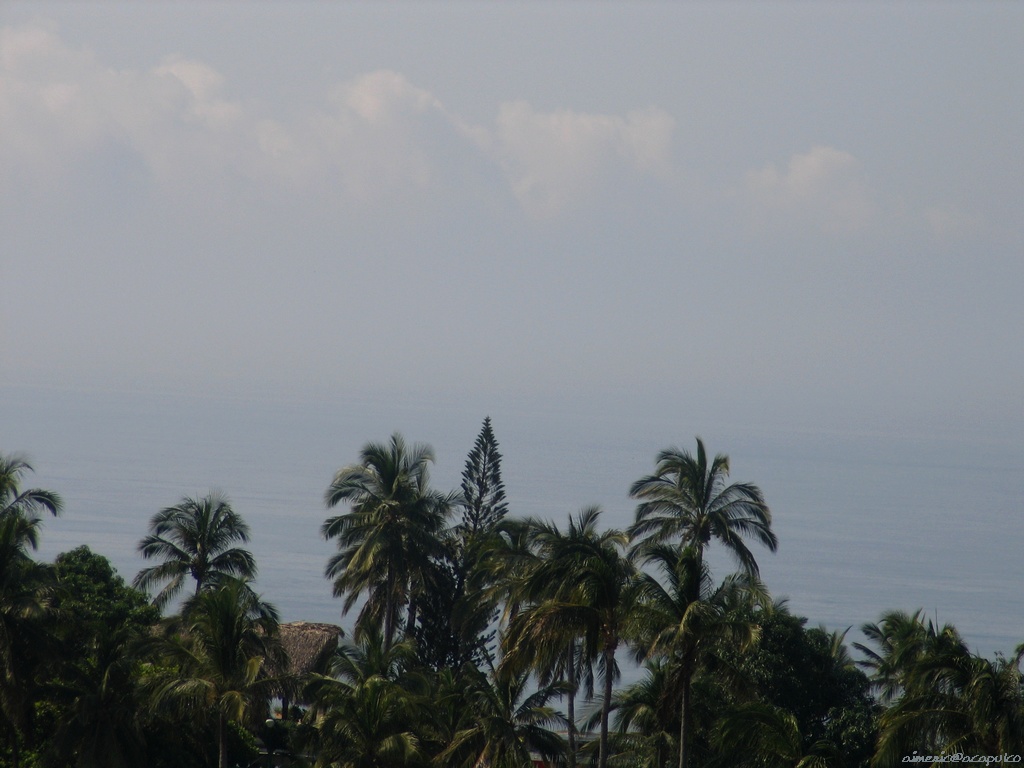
[[867, 522]]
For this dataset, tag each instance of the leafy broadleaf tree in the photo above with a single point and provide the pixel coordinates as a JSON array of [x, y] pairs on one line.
[[93, 693], [197, 538], [809, 674], [93, 598]]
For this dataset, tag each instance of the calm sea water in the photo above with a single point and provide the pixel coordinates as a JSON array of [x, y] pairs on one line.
[[866, 524]]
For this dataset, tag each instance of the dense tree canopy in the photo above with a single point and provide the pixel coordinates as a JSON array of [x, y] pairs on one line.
[[479, 638]]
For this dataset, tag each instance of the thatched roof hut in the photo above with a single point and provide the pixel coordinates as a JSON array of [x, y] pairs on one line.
[[309, 646]]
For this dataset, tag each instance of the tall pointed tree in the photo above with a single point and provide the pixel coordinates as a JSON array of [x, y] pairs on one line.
[[196, 538], [454, 629], [483, 492]]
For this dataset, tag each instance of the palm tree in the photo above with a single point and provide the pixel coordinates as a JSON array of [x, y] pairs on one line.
[[646, 715], [363, 713], [227, 639], [683, 618], [25, 596], [389, 539], [25, 634], [903, 641], [945, 699], [521, 557], [957, 704], [758, 735], [503, 726], [583, 583], [103, 719], [28, 503], [689, 501], [196, 538]]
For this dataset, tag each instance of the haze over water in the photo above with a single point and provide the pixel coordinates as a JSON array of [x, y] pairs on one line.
[[239, 241], [866, 522]]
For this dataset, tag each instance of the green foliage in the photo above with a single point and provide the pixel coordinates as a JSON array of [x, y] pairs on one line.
[[223, 645], [483, 493], [453, 619], [29, 503], [391, 538], [503, 724], [94, 599], [944, 699], [196, 538], [94, 711], [808, 674], [578, 594], [366, 713], [458, 606], [27, 637], [86, 680], [689, 501]]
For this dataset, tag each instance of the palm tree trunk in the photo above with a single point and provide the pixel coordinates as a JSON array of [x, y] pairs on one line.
[[572, 705], [410, 620], [606, 704], [389, 611], [222, 741], [684, 725]]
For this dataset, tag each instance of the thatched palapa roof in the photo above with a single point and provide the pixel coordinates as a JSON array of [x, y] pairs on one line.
[[309, 646]]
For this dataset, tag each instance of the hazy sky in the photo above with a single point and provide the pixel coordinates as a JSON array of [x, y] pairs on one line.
[[810, 209]]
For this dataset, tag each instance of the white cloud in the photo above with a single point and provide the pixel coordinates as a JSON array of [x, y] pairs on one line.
[[204, 84], [375, 136], [824, 188], [60, 105], [553, 159]]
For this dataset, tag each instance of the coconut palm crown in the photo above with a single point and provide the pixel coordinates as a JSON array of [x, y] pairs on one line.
[[26, 504], [690, 501], [391, 534], [196, 538]]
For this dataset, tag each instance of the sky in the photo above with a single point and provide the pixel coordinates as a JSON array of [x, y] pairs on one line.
[[778, 212], [795, 229]]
